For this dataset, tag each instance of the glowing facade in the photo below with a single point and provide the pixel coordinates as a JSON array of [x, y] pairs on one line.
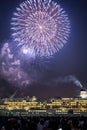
[[83, 93], [41, 25], [52, 107]]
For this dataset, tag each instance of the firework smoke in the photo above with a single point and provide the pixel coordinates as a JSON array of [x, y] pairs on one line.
[[12, 68], [67, 79], [71, 79]]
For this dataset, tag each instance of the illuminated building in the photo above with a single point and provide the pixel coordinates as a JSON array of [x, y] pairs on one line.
[[51, 107], [83, 93]]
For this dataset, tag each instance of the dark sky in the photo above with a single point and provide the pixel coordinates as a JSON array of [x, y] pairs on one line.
[[71, 60]]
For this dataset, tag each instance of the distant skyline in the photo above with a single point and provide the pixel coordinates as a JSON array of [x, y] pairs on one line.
[[41, 77]]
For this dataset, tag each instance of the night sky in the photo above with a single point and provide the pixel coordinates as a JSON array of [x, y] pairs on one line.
[[57, 76]]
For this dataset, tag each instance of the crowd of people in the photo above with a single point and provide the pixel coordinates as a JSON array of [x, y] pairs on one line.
[[43, 123]]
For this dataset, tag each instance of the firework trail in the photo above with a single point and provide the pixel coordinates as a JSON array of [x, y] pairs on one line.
[[41, 25]]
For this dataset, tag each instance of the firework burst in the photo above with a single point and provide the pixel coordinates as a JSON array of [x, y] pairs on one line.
[[41, 25]]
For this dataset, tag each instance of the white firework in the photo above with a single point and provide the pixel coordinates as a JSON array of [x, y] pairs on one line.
[[41, 25]]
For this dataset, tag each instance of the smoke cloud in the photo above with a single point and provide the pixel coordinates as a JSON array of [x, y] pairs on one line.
[[71, 79], [63, 79], [12, 68]]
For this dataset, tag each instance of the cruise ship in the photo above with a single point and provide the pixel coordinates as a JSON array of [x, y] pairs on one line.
[[50, 107]]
